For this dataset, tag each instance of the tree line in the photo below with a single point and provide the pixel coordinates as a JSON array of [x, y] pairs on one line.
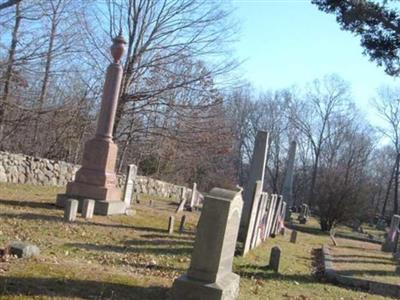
[[184, 115]]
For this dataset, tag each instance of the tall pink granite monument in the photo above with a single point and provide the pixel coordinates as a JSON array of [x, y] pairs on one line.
[[96, 179]]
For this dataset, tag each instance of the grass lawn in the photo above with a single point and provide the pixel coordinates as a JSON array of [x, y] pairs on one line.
[[133, 257], [364, 260]]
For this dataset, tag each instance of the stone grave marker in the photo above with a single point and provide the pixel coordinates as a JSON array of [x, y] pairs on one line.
[[257, 170], [129, 184], [261, 222], [182, 199], [88, 208], [275, 258], [304, 214], [70, 210], [171, 222], [252, 226], [270, 214], [96, 179], [287, 187], [193, 196], [293, 237], [182, 224], [211, 277], [390, 241]]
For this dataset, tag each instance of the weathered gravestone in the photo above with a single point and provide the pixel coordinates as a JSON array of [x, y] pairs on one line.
[[252, 226], [171, 222], [96, 179], [275, 258], [287, 187], [293, 237], [182, 199], [70, 210], [257, 170], [381, 224], [87, 208], [193, 197], [270, 216], [261, 222], [210, 277], [390, 241], [182, 224], [304, 214], [129, 184]]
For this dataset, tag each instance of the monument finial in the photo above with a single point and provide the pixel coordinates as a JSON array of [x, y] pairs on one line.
[[117, 48]]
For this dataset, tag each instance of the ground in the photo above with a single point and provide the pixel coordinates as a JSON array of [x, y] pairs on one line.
[[133, 257]]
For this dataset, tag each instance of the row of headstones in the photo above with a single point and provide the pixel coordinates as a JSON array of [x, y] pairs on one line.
[[196, 198], [266, 218]]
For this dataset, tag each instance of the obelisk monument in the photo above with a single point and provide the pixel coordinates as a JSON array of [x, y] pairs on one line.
[[96, 179], [287, 187]]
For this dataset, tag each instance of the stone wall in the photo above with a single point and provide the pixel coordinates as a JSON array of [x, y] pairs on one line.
[[19, 168]]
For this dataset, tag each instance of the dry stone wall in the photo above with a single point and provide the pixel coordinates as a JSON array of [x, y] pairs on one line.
[[20, 168]]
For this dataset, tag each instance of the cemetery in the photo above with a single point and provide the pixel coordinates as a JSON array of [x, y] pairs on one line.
[[138, 175]]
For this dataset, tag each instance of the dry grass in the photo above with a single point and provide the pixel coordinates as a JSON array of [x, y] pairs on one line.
[[133, 257], [364, 260]]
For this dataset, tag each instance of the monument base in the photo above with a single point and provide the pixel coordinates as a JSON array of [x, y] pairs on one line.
[[226, 288], [101, 207]]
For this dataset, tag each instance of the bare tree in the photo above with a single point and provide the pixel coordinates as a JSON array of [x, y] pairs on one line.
[[388, 108]]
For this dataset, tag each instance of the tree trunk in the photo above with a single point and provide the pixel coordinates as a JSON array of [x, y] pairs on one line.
[[389, 187], [396, 186], [45, 83], [8, 75]]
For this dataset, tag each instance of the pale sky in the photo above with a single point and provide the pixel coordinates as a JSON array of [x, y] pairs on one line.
[[287, 42]]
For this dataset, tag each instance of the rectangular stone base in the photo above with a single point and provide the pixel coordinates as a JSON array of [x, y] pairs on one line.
[[185, 288], [101, 207]]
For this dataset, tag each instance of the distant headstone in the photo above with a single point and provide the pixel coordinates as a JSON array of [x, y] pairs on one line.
[[182, 198], [151, 203], [210, 276], [23, 249], [193, 196], [381, 224], [390, 242], [304, 214], [282, 231], [171, 222], [182, 224], [88, 208], [129, 184], [275, 258], [293, 237], [287, 187], [70, 210]]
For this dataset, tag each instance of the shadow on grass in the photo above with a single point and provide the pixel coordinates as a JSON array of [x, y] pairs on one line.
[[30, 204], [264, 273], [31, 216], [144, 248], [362, 256], [310, 230], [163, 241], [86, 289], [175, 237], [347, 261], [366, 272]]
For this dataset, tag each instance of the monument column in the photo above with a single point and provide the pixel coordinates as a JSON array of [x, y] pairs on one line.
[[96, 179], [287, 188]]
